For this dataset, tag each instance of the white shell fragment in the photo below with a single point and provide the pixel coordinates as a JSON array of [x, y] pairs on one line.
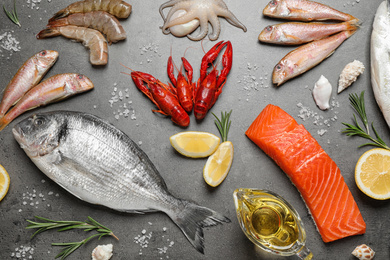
[[349, 74], [363, 252], [321, 93], [102, 252]]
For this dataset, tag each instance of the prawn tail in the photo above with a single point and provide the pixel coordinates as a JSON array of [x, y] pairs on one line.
[[57, 23], [60, 14], [48, 32]]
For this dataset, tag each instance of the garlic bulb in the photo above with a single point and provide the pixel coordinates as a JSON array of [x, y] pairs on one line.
[[349, 74], [322, 92]]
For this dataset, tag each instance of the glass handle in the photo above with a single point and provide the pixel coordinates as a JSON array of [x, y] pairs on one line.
[[305, 253]]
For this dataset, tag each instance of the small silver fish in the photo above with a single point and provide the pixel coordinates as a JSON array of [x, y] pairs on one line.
[[100, 164]]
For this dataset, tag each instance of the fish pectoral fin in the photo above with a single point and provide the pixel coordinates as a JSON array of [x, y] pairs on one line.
[[142, 211]]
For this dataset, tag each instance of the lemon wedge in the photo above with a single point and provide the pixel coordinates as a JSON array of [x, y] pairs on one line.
[[218, 164], [195, 144], [372, 173], [4, 182]]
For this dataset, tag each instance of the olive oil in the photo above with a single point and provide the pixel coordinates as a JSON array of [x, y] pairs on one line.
[[270, 222]]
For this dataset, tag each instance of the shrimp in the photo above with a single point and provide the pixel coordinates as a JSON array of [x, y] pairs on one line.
[[29, 75], [99, 20], [90, 38], [118, 8]]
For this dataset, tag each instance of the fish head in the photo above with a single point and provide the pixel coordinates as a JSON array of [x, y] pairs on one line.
[[81, 83], [269, 34], [276, 8], [280, 73], [39, 134], [46, 58]]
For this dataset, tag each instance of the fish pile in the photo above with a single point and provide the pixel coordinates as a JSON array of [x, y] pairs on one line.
[[179, 99], [186, 16], [311, 170], [321, 39], [86, 22], [100, 164], [25, 92]]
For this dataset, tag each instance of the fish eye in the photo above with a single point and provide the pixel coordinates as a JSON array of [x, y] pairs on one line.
[[273, 3], [268, 28], [278, 67], [43, 53], [38, 121], [80, 76]]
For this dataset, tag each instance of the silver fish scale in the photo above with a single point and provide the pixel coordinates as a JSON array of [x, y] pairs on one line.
[[122, 182]]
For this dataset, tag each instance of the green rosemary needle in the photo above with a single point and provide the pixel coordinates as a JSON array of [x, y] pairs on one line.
[[70, 247], [13, 16], [352, 130], [223, 124]]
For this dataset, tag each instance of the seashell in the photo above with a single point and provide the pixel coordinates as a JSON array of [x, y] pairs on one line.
[[363, 252], [181, 30], [102, 252], [349, 74], [321, 93]]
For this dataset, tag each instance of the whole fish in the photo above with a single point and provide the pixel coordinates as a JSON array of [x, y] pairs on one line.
[[303, 10], [292, 33], [307, 56], [51, 90], [100, 164], [380, 63], [28, 75]]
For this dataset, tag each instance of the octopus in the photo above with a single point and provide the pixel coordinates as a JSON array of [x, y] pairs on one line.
[[187, 15]]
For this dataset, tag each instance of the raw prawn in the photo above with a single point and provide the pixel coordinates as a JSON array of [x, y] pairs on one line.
[[53, 89], [90, 38], [210, 85], [184, 86], [118, 8], [28, 75], [161, 96], [99, 20]]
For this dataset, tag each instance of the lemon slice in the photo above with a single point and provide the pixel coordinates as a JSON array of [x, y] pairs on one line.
[[372, 173], [218, 164], [4, 182], [195, 144]]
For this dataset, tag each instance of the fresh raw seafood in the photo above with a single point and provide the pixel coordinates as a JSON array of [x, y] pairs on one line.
[[184, 87], [184, 14], [303, 10], [100, 164], [51, 90], [99, 20], [28, 75], [102, 252], [311, 170], [292, 33], [349, 74], [363, 252], [322, 92], [210, 85], [118, 8], [380, 63], [90, 38], [307, 56], [162, 97]]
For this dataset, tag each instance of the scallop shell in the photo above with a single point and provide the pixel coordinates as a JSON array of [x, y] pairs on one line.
[[102, 252], [322, 92], [363, 252]]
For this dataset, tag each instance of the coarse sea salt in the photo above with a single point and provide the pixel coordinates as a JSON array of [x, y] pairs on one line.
[[252, 79], [120, 103], [146, 237], [9, 43], [23, 252]]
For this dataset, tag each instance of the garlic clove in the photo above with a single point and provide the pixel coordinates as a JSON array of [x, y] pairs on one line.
[[322, 92]]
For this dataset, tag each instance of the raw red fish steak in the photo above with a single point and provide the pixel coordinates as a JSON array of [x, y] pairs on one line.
[[311, 170]]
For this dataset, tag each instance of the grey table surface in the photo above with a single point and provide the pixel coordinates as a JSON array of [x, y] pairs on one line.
[[247, 91]]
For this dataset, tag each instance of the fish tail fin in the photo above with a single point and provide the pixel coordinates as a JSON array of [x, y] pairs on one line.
[[353, 24], [191, 219], [46, 33], [3, 122]]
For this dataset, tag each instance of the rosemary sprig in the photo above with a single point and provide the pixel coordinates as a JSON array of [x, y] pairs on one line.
[[223, 125], [13, 16], [352, 130], [70, 247]]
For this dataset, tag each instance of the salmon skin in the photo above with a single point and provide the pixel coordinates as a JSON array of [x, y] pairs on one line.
[[100, 164], [311, 170], [304, 10]]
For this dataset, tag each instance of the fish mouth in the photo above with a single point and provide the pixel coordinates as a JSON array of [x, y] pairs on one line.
[[18, 134]]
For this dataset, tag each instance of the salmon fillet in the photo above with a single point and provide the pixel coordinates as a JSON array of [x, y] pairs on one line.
[[311, 170]]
